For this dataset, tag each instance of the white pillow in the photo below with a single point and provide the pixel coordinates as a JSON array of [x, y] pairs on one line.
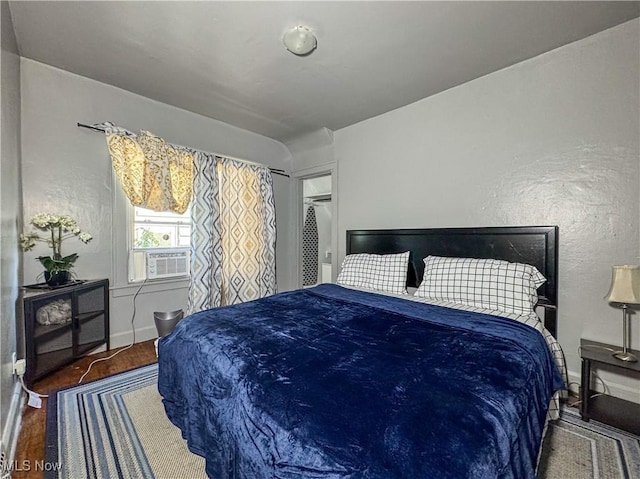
[[386, 272], [484, 283]]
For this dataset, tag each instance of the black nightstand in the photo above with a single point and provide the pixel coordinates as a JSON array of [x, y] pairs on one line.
[[610, 410], [84, 326]]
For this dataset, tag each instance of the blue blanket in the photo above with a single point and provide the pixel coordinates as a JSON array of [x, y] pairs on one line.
[[333, 383]]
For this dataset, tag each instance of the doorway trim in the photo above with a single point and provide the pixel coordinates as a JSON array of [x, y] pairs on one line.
[[329, 169]]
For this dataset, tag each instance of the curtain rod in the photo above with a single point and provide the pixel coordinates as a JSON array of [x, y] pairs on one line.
[[277, 171]]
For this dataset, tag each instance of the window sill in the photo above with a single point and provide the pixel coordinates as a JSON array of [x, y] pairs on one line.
[[151, 286]]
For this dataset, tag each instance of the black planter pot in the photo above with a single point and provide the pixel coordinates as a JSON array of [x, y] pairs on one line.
[[57, 278]]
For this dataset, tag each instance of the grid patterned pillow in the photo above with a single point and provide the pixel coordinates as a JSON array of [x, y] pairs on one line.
[[484, 283], [386, 272]]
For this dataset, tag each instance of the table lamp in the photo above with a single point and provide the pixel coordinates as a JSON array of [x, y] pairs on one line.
[[625, 290]]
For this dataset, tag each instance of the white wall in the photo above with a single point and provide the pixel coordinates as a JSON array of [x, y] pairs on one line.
[[313, 156], [550, 141], [67, 169], [10, 224], [313, 150]]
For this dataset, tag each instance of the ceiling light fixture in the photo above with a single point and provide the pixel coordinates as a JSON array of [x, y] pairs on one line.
[[300, 40]]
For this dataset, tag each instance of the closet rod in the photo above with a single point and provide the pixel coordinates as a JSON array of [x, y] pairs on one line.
[[277, 171]]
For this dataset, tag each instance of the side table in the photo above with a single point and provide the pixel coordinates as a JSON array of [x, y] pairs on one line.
[[81, 324], [607, 409]]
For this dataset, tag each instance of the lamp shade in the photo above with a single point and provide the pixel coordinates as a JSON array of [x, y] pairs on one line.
[[625, 285]]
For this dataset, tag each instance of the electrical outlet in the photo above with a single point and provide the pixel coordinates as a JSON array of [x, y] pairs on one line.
[[19, 367]]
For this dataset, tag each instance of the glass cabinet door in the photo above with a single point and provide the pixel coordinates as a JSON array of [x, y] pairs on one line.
[[90, 319], [52, 333]]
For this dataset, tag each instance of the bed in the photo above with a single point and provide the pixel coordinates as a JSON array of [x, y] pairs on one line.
[[338, 382]]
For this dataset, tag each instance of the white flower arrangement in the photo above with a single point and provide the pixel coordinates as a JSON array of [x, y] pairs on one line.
[[59, 228]]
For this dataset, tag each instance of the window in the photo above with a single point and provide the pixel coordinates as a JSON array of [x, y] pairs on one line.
[[160, 244], [152, 229]]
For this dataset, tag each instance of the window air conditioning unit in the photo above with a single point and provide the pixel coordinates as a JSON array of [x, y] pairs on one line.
[[167, 263]]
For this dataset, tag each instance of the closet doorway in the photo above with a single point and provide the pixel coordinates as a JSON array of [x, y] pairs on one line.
[[316, 235]]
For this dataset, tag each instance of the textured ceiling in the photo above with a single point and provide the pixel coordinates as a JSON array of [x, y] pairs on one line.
[[225, 60]]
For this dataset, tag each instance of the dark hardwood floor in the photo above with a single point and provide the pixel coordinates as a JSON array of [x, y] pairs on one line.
[[31, 439]]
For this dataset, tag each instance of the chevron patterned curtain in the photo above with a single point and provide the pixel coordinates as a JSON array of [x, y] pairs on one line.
[[205, 283], [233, 233], [248, 223]]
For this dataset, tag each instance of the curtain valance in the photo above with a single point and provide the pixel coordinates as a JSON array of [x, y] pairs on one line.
[[153, 174]]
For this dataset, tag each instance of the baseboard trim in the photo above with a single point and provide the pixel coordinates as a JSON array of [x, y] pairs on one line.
[[13, 422], [615, 389], [124, 339]]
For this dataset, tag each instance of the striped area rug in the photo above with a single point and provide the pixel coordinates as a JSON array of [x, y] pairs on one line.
[[116, 428], [574, 449]]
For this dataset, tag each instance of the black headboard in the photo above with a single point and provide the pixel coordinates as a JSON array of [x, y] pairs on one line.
[[534, 245]]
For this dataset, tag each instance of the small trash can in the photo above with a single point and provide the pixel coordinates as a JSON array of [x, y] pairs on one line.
[[167, 320]]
